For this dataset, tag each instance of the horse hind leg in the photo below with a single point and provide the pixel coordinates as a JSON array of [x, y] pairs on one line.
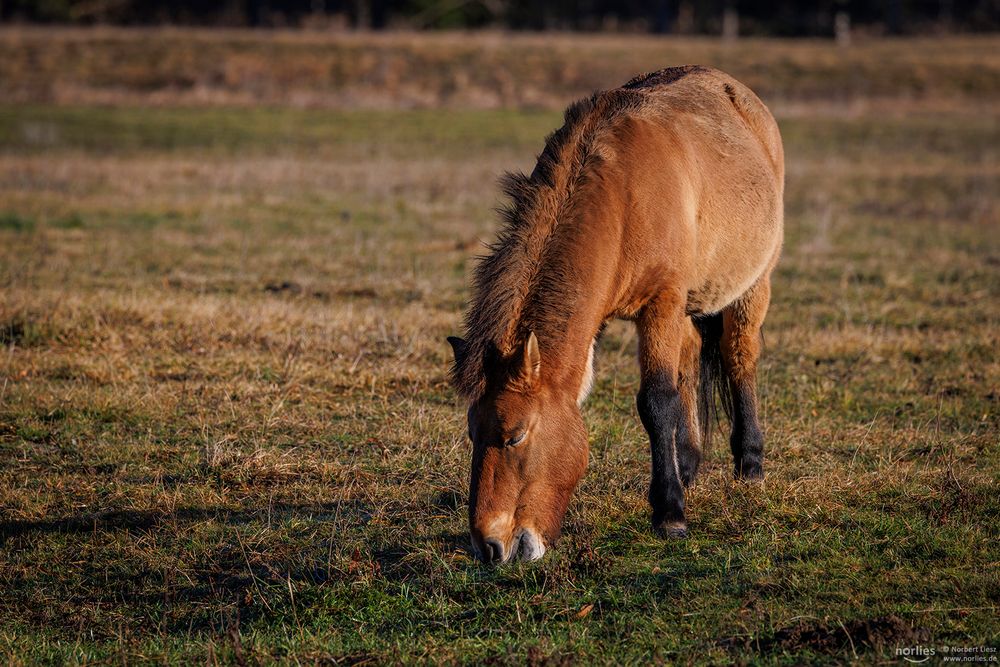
[[741, 347]]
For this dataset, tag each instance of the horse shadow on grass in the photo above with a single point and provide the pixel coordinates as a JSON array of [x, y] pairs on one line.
[[237, 572], [225, 580], [148, 520]]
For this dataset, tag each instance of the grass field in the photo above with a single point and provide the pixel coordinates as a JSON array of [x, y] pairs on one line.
[[226, 433]]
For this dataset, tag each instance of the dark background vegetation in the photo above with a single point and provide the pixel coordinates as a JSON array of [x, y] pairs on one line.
[[755, 17]]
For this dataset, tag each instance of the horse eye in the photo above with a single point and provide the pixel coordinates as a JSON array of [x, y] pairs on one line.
[[516, 440]]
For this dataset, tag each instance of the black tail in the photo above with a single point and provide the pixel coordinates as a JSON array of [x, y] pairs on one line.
[[712, 380]]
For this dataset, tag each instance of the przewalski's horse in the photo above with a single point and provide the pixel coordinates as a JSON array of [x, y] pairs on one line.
[[658, 202]]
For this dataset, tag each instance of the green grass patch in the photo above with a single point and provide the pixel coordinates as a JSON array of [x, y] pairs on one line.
[[226, 431], [16, 222]]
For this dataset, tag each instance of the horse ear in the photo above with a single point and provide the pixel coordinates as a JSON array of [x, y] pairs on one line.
[[532, 358], [459, 347]]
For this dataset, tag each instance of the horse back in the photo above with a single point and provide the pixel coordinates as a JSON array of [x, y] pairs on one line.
[[711, 93], [705, 156]]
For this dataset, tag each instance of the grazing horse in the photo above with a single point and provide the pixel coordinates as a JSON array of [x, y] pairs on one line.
[[658, 202]]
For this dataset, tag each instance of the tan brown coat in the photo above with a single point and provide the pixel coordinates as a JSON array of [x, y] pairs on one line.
[[659, 202]]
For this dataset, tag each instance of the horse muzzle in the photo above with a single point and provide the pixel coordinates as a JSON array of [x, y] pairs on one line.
[[525, 544]]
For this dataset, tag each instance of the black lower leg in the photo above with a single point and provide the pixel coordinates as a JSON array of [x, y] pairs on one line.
[[688, 454], [747, 440], [661, 411]]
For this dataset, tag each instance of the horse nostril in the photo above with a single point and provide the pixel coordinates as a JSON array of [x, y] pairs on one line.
[[494, 551]]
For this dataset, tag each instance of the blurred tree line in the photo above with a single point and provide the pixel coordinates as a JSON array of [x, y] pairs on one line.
[[731, 17]]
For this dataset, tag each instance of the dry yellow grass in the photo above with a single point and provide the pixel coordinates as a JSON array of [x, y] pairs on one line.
[[226, 433], [167, 67]]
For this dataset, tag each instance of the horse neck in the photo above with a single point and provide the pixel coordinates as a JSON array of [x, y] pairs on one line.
[[571, 359], [573, 316]]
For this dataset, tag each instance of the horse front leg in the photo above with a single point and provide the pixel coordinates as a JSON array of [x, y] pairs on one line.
[[688, 438], [662, 411]]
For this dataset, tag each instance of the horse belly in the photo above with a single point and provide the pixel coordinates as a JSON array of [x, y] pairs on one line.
[[734, 264], [715, 294], [740, 232]]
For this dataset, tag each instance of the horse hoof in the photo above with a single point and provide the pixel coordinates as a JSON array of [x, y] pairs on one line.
[[750, 472], [672, 530]]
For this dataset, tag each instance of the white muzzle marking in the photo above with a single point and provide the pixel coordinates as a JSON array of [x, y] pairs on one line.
[[588, 377], [530, 545]]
